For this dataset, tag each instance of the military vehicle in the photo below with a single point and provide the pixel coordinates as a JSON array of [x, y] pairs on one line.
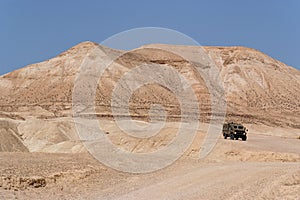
[[234, 131]]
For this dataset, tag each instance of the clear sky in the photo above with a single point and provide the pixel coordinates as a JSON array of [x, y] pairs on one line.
[[34, 30]]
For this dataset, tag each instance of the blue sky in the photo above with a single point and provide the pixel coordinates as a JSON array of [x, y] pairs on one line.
[[33, 30]]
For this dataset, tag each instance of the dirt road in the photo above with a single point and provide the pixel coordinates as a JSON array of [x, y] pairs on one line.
[[224, 181]]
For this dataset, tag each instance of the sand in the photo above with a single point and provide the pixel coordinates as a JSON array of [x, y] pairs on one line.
[[263, 167]]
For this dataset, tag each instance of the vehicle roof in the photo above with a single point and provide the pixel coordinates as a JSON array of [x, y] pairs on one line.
[[233, 123]]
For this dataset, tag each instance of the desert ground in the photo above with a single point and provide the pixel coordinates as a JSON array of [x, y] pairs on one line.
[[266, 166]]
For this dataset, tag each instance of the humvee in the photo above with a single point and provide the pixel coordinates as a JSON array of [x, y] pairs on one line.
[[234, 131]]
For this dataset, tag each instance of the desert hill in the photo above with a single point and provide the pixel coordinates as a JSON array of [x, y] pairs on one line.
[[37, 99]]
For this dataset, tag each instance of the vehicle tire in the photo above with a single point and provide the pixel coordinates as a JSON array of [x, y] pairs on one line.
[[244, 138], [225, 136], [231, 136]]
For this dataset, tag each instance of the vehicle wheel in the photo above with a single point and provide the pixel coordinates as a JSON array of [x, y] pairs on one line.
[[244, 138], [225, 136], [231, 136]]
